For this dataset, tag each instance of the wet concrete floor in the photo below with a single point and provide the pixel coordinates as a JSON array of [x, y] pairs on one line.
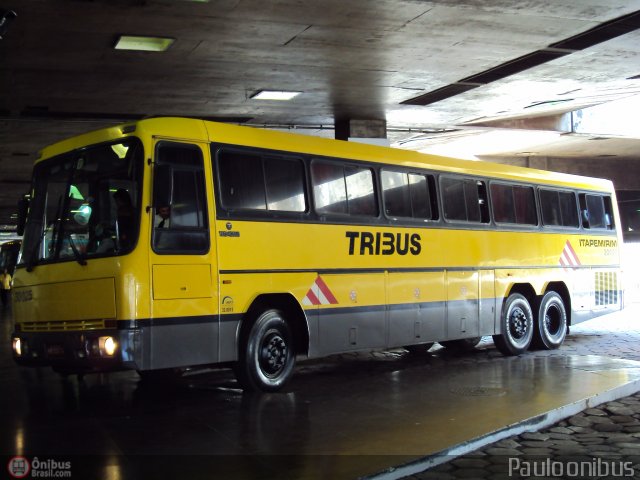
[[346, 416]]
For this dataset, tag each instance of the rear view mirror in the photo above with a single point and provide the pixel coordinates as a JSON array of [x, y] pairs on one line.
[[23, 209]]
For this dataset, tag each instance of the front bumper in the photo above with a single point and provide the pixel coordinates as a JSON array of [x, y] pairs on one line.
[[77, 351]]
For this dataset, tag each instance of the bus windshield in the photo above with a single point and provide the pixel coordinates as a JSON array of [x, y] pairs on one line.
[[84, 204]]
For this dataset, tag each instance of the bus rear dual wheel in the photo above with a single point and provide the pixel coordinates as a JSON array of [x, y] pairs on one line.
[[552, 322], [520, 329], [267, 357]]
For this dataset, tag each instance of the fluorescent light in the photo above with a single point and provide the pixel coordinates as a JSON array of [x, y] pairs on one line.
[[274, 95], [145, 44]]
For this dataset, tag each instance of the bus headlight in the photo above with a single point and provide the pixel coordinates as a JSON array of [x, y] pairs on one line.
[[17, 347], [108, 346]]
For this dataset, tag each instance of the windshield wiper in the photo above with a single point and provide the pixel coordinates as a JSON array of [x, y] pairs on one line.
[[76, 253]]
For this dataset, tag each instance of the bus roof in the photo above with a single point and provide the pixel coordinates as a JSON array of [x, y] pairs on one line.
[[206, 131]]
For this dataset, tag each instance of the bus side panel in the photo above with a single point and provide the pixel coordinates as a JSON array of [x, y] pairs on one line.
[[184, 328], [239, 292], [597, 291], [462, 304], [594, 277], [488, 303], [358, 319], [416, 308]]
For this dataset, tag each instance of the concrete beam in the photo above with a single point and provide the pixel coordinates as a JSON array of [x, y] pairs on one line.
[[365, 131]]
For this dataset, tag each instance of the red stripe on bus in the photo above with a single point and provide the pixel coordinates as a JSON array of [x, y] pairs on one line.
[[312, 298], [573, 252], [325, 291]]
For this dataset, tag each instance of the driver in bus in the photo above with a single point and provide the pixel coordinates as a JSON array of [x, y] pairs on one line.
[[163, 217]]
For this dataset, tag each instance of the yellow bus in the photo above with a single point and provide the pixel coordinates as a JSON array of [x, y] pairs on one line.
[[175, 243], [9, 255]]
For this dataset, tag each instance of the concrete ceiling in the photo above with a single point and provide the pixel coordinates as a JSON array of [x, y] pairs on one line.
[[358, 59]]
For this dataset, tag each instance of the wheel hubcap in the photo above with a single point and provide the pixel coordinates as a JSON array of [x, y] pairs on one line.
[[552, 321], [518, 323], [273, 354]]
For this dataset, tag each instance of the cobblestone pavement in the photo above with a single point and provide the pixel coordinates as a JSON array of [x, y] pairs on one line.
[[598, 443]]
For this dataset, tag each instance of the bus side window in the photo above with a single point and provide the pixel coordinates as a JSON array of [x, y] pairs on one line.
[[453, 199], [608, 213], [465, 200], [596, 211], [569, 209], [360, 192], [524, 199], [550, 206], [420, 197], [559, 208], [343, 189], [251, 181], [502, 203], [285, 184], [408, 195], [513, 204], [329, 190], [396, 194], [241, 180]]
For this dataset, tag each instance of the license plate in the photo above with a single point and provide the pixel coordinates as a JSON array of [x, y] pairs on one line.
[[55, 351]]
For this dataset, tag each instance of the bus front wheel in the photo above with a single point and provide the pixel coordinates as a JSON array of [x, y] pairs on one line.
[[552, 322], [517, 326], [267, 357]]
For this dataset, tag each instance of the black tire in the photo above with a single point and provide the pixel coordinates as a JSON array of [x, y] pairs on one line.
[[418, 349], [267, 357], [517, 326], [551, 327], [461, 345]]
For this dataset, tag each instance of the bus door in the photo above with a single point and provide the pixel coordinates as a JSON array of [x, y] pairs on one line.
[[184, 306]]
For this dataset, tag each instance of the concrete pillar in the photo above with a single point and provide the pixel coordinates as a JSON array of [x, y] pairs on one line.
[[365, 131]]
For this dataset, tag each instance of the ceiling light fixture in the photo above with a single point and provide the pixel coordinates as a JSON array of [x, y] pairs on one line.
[[144, 44], [280, 95]]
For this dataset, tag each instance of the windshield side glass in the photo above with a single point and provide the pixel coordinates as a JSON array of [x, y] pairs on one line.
[[85, 204]]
